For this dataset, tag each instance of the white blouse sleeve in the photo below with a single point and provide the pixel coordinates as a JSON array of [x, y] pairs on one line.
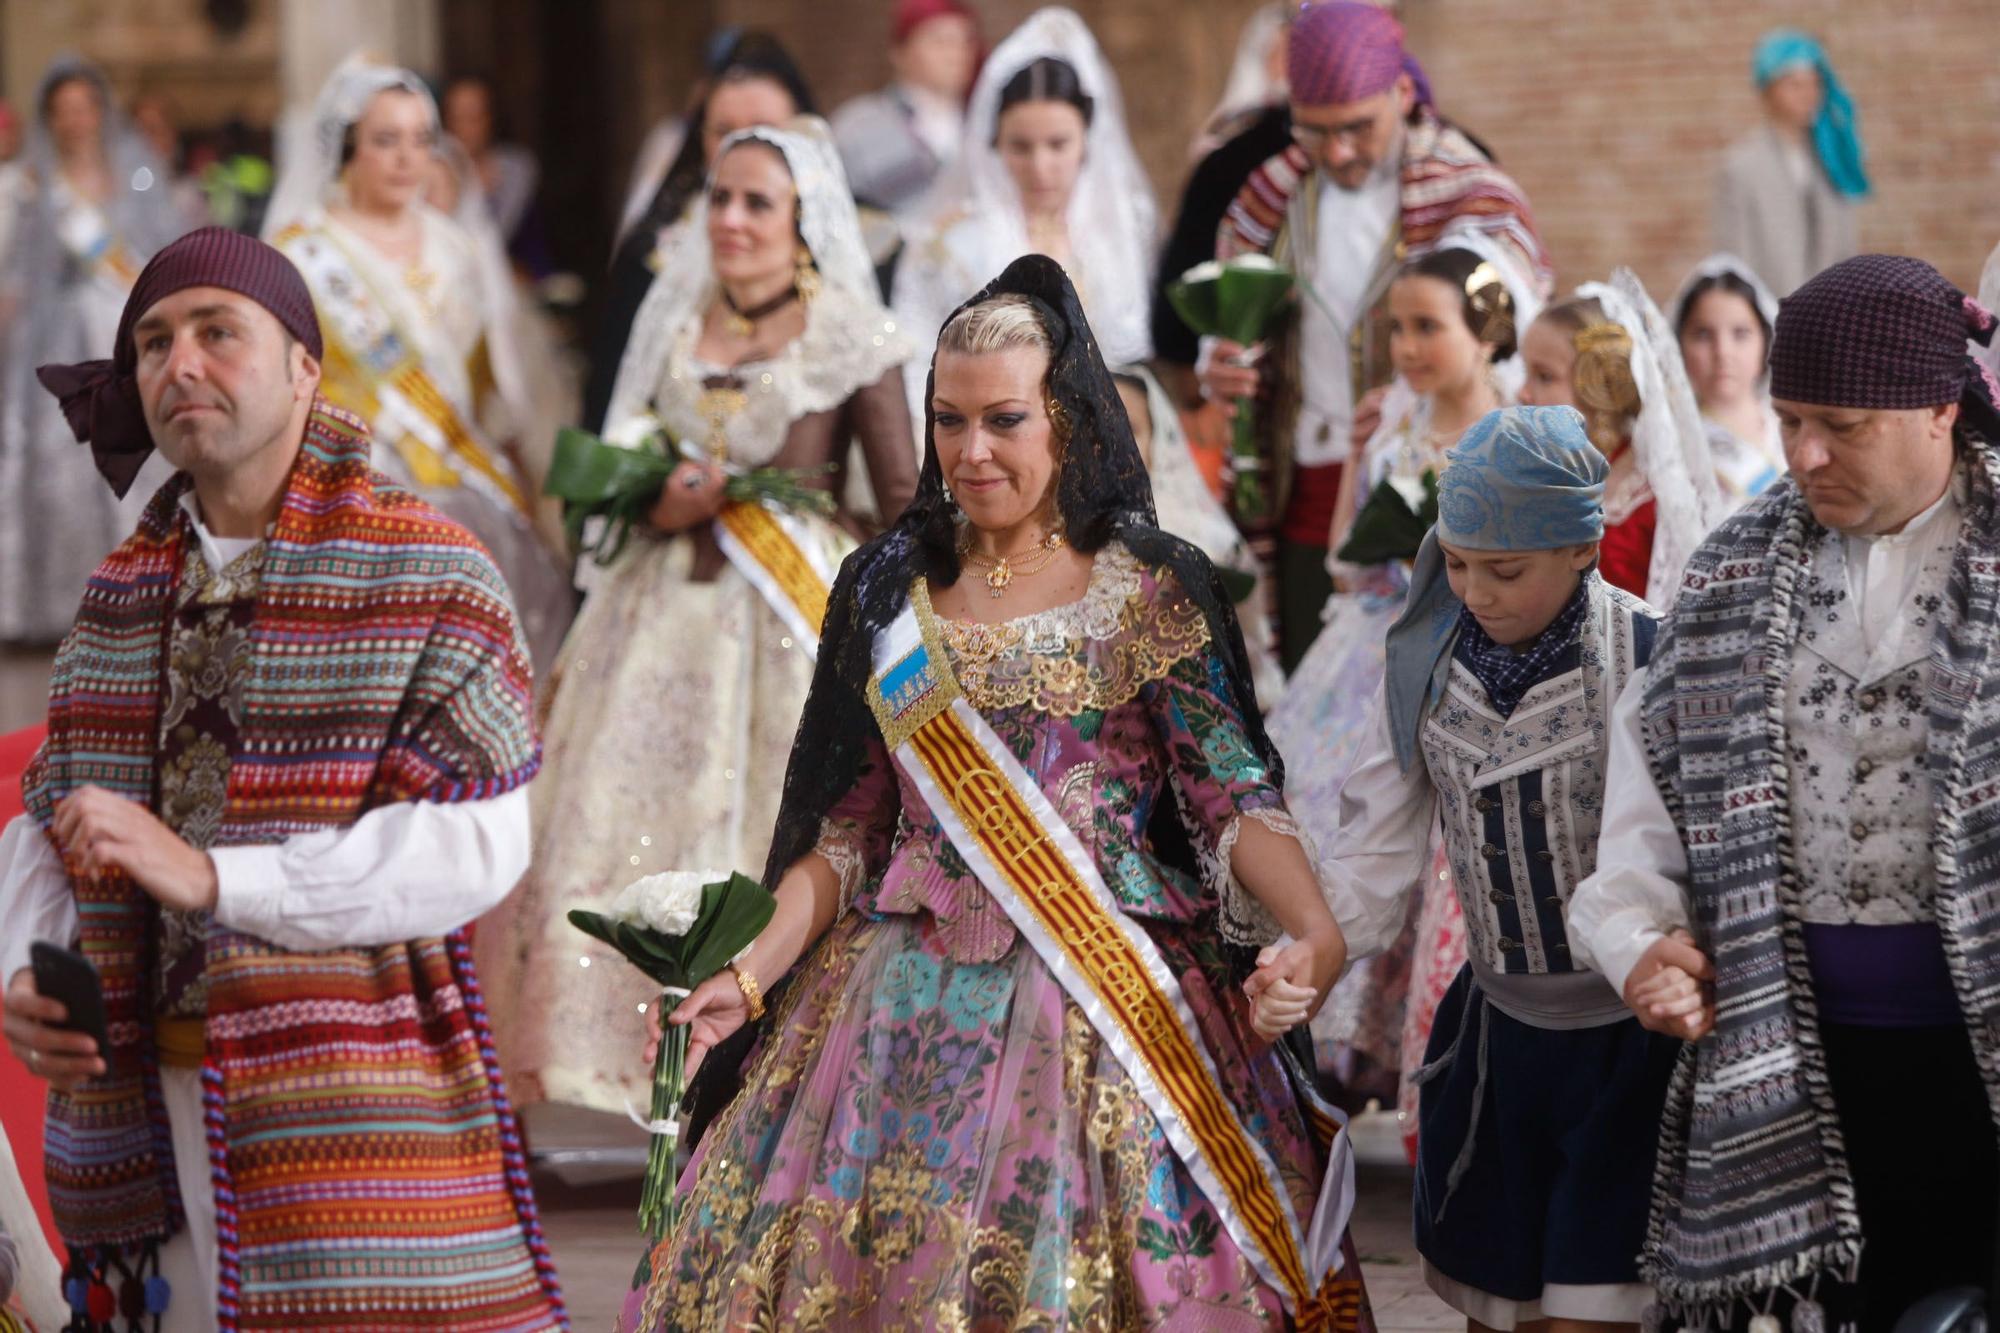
[[401, 872], [1639, 891], [1383, 848], [35, 898]]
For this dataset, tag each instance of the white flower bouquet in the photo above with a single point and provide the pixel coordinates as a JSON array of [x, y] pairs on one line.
[[680, 929]]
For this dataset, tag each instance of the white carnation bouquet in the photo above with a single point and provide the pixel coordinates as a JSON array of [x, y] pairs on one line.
[[680, 929]]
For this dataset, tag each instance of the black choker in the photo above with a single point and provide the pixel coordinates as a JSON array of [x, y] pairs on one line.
[[743, 323]]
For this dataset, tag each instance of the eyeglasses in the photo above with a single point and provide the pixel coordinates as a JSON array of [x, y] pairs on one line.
[[1314, 138]]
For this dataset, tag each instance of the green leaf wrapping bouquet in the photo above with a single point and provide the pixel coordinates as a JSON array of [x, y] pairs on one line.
[[1393, 521], [680, 929], [1236, 299], [609, 484]]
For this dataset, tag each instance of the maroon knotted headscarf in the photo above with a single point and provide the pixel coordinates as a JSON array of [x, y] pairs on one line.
[[1344, 50], [100, 399], [1884, 332]]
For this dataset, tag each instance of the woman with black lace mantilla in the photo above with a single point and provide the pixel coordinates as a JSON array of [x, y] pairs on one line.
[[1046, 919]]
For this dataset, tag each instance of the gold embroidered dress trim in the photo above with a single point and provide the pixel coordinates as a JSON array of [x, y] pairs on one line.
[[1039, 662]]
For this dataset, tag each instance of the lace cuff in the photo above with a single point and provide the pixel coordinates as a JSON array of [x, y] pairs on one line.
[[1242, 919], [841, 847]]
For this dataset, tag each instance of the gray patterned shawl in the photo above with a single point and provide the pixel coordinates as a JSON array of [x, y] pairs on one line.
[[1752, 1187]]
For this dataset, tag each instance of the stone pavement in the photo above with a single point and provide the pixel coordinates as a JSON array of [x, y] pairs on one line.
[[594, 1234]]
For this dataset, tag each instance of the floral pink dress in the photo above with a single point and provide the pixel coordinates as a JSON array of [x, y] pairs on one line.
[[933, 1135]]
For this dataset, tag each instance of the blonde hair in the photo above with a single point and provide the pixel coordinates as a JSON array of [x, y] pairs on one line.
[[998, 325], [1601, 380]]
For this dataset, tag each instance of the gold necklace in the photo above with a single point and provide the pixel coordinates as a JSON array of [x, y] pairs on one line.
[[1001, 571]]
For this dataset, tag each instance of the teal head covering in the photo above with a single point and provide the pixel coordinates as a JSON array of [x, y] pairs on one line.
[[1835, 138], [1521, 479]]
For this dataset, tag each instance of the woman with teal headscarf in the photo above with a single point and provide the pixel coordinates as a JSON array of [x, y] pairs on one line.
[[1787, 190]]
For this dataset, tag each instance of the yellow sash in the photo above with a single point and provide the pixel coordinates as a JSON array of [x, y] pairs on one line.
[[1040, 875], [765, 550], [373, 369]]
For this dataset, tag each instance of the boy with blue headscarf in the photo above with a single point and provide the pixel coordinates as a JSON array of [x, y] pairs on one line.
[[1541, 1094], [1786, 193]]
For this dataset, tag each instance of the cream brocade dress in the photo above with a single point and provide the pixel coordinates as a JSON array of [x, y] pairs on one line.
[[671, 715]]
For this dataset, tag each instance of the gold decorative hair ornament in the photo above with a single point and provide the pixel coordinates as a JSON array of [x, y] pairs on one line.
[[1492, 303], [1606, 393]]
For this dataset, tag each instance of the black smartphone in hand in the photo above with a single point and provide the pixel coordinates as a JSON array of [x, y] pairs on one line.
[[67, 976]]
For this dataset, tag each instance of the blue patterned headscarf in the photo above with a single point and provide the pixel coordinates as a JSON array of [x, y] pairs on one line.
[[1521, 479], [1836, 138]]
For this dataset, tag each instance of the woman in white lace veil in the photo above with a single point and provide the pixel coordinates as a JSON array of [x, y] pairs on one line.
[[95, 208], [416, 317], [538, 380], [1102, 226], [1723, 318], [672, 709], [829, 228]]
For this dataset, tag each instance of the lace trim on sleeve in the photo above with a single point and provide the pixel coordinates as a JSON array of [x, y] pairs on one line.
[[1242, 919], [842, 849]]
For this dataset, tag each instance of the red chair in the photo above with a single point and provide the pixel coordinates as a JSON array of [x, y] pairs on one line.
[[21, 1094]]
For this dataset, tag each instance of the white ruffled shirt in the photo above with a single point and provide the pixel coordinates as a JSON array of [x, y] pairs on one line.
[[1639, 892], [1351, 228]]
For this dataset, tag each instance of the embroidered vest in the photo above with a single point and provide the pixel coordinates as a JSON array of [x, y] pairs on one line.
[[1521, 798], [1862, 796], [201, 723], [1752, 1188]]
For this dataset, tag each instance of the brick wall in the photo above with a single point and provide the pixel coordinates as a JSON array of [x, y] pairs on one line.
[[1612, 113]]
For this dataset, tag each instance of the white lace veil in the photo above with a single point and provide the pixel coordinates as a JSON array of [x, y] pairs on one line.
[[1250, 84], [309, 148], [686, 282], [1113, 218], [1988, 296], [1721, 264], [1739, 462], [499, 297], [1669, 439], [139, 210]]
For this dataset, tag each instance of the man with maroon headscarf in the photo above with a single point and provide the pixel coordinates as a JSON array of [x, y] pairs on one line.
[[1373, 175], [1800, 871], [289, 737], [895, 141]]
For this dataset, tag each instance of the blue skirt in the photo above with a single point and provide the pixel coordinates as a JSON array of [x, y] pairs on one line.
[[1560, 1178]]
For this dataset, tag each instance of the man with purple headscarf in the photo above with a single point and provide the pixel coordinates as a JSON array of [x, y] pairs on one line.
[[1802, 871], [1373, 175]]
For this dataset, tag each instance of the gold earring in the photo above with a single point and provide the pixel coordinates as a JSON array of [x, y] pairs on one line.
[[806, 277], [1058, 418]]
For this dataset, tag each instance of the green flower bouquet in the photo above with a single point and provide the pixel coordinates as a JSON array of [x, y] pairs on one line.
[[680, 929], [1392, 521], [617, 480], [1236, 299]]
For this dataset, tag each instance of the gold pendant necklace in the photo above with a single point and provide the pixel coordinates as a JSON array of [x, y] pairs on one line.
[[722, 397], [1001, 571]]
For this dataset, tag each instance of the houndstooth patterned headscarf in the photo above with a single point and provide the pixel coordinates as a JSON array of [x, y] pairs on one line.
[[1884, 332]]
